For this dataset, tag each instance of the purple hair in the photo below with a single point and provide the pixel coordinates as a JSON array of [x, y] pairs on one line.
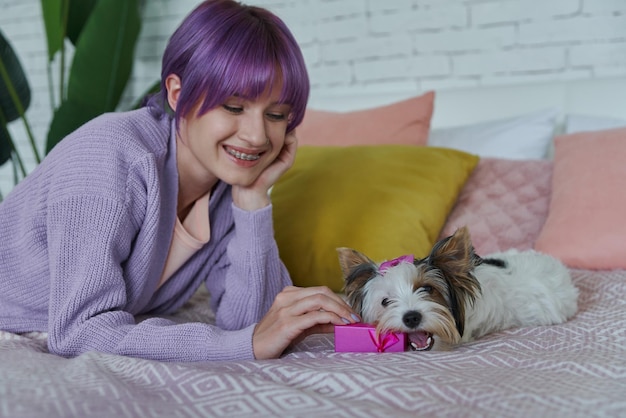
[[224, 48]]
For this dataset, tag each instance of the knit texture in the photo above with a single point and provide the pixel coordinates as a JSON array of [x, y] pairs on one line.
[[84, 239]]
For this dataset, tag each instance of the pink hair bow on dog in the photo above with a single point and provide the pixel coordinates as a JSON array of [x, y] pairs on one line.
[[386, 265]]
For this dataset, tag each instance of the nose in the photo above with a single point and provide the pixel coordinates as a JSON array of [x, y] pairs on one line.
[[412, 319], [252, 129]]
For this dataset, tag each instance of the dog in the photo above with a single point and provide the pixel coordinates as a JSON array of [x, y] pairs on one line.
[[454, 296]]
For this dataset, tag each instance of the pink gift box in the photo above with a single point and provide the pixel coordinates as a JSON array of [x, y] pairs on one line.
[[361, 338]]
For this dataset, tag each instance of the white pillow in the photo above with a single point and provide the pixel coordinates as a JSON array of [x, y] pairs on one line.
[[583, 123], [525, 137]]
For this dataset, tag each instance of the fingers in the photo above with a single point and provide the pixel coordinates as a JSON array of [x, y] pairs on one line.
[[303, 300], [291, 138], [296, 313], [274, 333], [288, 152]]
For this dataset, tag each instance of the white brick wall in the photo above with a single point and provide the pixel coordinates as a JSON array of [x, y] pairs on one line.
[[515, 11], [376, 45]]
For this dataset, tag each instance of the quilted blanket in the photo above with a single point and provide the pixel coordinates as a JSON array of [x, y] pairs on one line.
[[577, 369]]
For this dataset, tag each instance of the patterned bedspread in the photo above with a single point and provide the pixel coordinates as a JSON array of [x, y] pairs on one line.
[[577, 369]]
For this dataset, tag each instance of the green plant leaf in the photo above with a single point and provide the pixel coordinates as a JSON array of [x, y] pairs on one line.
[[67, 118], [5, 144], [13, 83], [78, 15], [13, 87], [104, 54], [101, 67], [52, 11]]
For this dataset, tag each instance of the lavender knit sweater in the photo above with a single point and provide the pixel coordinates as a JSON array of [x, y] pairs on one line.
[[84, 238]]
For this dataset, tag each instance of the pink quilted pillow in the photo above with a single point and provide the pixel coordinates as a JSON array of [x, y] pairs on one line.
[[402, 123], [504, 204], [585, 227]]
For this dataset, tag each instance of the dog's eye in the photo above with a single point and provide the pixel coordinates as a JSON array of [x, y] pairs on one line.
[[385, 302], [428, 289]]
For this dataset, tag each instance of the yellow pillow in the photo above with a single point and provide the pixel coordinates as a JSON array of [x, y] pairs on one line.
[[383, 200]]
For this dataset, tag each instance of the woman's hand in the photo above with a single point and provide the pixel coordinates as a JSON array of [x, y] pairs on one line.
[[296, 313], [255, 196], [281, 164]]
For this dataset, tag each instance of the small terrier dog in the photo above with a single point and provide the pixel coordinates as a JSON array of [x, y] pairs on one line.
[[454, 296]]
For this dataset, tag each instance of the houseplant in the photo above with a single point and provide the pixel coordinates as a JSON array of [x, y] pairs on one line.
[[103, 34]]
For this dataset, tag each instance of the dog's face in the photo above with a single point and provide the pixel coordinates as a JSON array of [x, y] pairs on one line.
[[425, 298]]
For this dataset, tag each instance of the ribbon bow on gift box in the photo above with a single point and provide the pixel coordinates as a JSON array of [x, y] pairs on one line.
[[386, 265], [363, 338], [384, 341]]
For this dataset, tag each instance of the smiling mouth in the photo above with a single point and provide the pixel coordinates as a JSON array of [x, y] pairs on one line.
[[243, 156], [421, 340]]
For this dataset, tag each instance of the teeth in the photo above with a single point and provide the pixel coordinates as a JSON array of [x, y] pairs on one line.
[[429, 344], [242, 156]]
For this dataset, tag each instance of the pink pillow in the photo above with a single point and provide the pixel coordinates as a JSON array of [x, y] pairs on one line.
[[504, 204], [585, 226], [402, 123]]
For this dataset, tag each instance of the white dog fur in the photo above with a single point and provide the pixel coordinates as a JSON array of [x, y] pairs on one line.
[[454, 296]]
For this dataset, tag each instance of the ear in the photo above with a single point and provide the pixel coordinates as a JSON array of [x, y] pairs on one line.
[[173, 86], [350, 258], [454, 256], [357, 270], [455, 253]]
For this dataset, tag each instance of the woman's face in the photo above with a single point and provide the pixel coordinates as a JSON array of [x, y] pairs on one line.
[[233, 142]]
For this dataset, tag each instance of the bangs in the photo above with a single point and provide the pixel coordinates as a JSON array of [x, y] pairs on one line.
[[247, 64], [224, 49]]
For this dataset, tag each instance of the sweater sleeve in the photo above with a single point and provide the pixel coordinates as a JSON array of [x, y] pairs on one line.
[[89, 239], [253, 272]]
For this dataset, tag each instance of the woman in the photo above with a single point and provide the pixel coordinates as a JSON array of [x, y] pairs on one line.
[[132, 212]]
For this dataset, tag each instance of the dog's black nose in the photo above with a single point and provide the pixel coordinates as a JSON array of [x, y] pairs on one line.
[[412, 319]]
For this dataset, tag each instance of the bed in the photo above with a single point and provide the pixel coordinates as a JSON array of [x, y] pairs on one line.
[[577, 369]]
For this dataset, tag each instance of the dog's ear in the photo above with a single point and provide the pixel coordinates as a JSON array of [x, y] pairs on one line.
[[350, 258], [357, 270], [454, 256], [455, 253]]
